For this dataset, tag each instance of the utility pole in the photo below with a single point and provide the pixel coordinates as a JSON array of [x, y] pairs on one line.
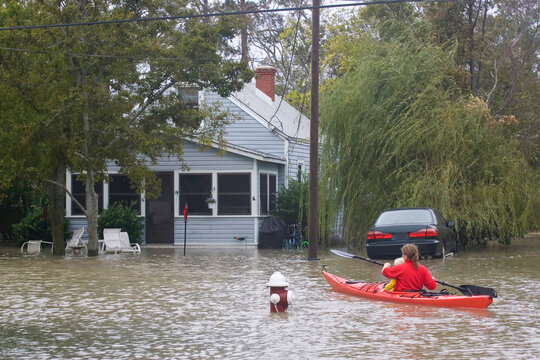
[[313, 214], [243, 31], [205, 10]]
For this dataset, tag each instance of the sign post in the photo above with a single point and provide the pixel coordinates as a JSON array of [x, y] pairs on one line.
[[185, 226]]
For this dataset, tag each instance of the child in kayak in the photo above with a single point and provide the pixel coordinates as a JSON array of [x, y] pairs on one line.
[[409, 275], [392, 283]]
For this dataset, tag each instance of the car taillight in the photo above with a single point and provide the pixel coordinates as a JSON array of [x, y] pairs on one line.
[[427, 232], [376, 235]]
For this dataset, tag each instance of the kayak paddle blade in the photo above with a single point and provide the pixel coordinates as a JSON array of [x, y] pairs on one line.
[[478, 290], [342, 253]]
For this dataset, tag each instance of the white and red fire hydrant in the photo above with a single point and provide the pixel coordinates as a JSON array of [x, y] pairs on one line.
[[280, 297]]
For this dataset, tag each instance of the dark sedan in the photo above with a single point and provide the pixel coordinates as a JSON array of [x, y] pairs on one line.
[[424, 227]]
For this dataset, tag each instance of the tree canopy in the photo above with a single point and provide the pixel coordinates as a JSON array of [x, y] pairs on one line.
[[399, 131]]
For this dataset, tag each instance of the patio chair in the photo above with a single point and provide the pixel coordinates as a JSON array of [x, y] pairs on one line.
[[75, 244], [111, 240], [127, 246], [34, 246]]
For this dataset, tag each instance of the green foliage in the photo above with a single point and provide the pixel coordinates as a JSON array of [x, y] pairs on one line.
[[494, 42], [300, 101], [124, 217], [33, 226], [398, 131], [497, 44], [292, 203], [16, 202]]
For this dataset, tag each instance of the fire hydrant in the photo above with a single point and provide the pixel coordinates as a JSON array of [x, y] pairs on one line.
[[280, 297]]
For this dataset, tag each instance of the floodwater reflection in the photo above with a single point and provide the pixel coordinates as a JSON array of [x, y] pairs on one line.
[[213, 303]]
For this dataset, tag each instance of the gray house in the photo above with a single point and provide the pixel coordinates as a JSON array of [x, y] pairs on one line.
[[228, 195]]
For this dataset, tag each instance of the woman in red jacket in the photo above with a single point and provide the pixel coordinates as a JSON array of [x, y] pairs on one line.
[[410, 275]]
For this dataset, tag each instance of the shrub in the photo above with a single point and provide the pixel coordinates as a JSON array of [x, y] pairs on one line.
[[292, 203], [34, 227], [124, 217], [15, 203]]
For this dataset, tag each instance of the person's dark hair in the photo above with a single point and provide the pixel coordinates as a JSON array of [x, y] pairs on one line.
[[412, 253]]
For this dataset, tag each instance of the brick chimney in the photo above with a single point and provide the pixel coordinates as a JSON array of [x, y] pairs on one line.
[[265, 80]]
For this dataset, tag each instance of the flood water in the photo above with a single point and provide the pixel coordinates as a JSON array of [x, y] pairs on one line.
[[213, 304]]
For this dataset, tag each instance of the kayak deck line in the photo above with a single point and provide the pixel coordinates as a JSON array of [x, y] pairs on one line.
[[376, 291]]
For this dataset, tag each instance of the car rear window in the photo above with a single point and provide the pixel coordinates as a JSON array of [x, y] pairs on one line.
[[404, 217]]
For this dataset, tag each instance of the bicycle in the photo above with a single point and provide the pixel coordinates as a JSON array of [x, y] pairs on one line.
[[295, 240]]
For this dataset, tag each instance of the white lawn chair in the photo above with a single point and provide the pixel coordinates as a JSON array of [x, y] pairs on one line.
[[76, 244], [34, 246], [127, 246], [111, 240]]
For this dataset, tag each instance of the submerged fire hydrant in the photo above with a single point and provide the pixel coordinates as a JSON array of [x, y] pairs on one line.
[[280, 297]]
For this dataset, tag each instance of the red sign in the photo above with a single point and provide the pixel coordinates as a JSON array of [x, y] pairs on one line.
[[185, 212]]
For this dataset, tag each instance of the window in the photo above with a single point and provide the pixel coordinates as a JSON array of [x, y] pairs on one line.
[[121, 191], [78, 192], [195, 190], [190, 95], [234, 194], [267, 193], [404, 216], [300, 170]]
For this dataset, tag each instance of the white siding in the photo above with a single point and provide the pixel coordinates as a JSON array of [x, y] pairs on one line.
[[246, 131], [215, 230], [298, 153]]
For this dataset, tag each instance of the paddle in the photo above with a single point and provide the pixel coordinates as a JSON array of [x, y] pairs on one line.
[[465, 289]]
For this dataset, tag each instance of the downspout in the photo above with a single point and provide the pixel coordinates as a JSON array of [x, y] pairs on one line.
[[286, 180], [255, 201]]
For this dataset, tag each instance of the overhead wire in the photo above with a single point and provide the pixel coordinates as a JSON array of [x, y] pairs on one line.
[[289, 70], [133, 57], [230, 13]]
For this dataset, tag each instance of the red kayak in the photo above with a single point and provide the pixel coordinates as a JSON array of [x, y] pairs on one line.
[[376, 291]]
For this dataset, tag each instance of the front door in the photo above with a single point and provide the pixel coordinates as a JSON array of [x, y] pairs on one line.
[[160, 212]]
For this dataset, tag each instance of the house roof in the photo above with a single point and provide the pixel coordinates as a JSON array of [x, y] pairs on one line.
[[244, 151], [278, 115]]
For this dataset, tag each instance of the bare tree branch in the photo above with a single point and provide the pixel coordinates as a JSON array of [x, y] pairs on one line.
[[69, 193]]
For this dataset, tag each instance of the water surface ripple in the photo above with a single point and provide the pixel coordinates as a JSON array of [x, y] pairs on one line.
[[213, 304]]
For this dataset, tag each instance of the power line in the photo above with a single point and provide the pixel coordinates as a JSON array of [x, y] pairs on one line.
[[131, 57], [232, 13], [289, 70]]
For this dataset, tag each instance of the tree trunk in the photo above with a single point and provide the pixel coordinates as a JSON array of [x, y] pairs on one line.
[[90, 193], [57, 202], [92, 214]]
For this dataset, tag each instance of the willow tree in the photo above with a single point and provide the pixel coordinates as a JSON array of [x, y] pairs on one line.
[[110, 92], [498, 43], [399, 131]]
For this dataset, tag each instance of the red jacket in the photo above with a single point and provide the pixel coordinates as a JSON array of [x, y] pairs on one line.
[[409, 278]]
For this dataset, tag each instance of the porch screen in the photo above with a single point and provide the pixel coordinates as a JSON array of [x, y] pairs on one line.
[[267, 193], [234, 194], [78, 192], [120, 191], [195, 189]]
